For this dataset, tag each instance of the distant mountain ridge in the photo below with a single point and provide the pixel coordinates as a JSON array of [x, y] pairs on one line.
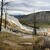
[[41, 17], [17, 16]]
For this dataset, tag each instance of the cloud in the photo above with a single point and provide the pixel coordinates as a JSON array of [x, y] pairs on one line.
[[18, 12], [27, 6], [8, 0]]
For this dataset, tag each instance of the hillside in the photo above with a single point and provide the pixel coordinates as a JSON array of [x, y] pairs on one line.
[[42, 18], [14, 24]]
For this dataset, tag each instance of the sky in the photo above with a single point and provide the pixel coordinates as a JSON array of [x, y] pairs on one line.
[[21, 7]]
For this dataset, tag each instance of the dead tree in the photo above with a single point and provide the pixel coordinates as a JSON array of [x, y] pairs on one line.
[[1, 15], [5, 10], [34, 24]]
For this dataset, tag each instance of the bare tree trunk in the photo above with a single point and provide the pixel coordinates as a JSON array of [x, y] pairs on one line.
[[1, 15], [5, 10], [5, 19], [34, 24]]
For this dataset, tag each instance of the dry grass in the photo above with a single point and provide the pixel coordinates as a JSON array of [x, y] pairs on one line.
[[13, 38], [37, 42]]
